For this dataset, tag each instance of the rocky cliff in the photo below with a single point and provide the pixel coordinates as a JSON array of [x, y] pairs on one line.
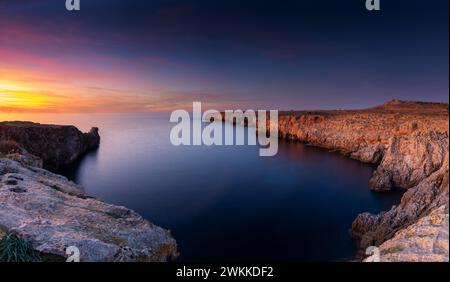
[[408, 141], [52, 213], [426, 240], [56, 145]]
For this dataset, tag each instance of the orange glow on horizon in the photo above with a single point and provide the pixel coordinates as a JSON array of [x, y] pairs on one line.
[[31, 93], [21, 97], [15, 96], [59, 86]]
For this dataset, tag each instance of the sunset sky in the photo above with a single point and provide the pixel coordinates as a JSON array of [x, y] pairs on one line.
[[135, 56]]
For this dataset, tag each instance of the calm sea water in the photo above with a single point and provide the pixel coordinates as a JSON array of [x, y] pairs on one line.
[[227, 203]]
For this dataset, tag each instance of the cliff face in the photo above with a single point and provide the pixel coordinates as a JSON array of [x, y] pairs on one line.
[[56, 145], [363, 134], [409, 143], [424, 241], [53, 213], [419, 164]]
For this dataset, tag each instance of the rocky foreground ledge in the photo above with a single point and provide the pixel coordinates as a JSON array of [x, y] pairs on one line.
[[409, 143], [52, 213]]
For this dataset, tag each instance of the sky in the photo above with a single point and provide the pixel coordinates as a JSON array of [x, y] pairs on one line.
[[161, 55]]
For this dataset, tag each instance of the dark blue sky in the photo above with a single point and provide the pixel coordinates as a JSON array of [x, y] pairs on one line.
[[261, 54]]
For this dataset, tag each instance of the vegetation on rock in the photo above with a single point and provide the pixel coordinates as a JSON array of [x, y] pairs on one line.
[[16, 249]]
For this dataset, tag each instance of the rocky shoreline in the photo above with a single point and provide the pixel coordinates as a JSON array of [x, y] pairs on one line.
[[52, 213], [408, 141]]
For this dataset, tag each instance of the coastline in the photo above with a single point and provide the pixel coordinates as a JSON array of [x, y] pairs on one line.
[[52, 213], [408, 142]]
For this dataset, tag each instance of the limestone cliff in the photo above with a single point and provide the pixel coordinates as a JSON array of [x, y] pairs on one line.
[[424, 241], [408, 141], [56, 145], [53, 213], [419, 164]]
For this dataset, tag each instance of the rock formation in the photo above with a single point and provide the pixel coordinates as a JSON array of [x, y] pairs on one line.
[[424, 241], [408, 141], [56, 145], [53, 213]]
